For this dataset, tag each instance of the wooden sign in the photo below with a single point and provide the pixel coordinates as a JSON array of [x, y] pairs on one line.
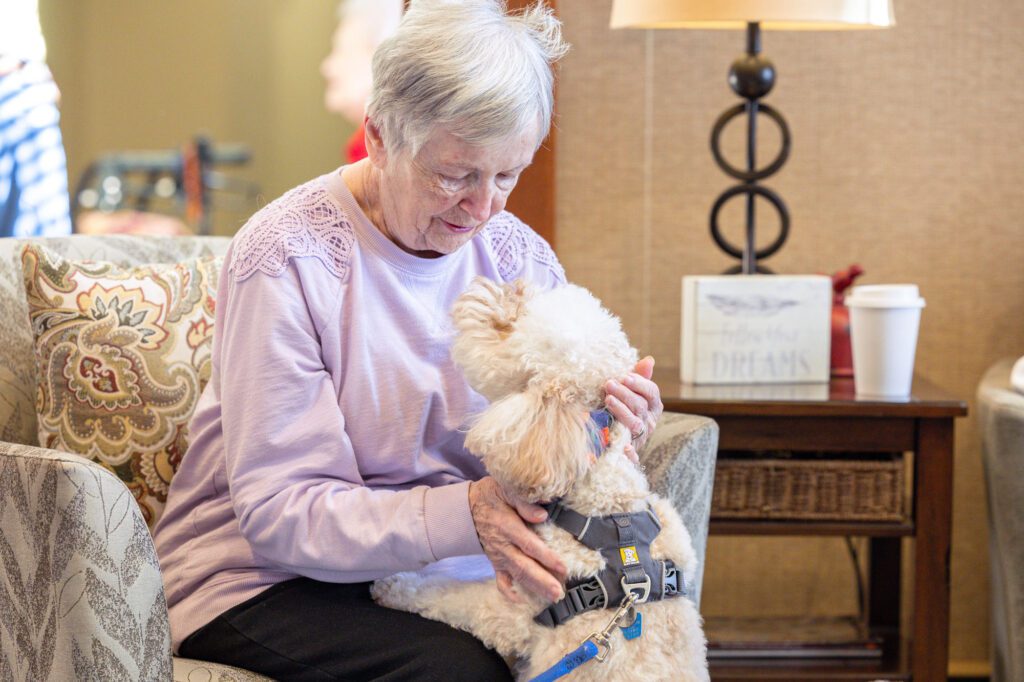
[[756, 329]]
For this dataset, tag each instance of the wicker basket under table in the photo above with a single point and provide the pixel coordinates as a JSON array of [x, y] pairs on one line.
[[810, 488]]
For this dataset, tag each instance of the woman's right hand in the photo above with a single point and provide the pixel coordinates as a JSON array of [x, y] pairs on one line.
[[518, 554]]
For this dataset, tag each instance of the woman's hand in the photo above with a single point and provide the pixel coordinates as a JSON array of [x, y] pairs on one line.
[[635, 401], [518, 554]]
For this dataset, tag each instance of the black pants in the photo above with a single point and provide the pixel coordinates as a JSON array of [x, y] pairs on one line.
[[303, 629]]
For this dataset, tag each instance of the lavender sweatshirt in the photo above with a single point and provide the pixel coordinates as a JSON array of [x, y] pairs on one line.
[[329, 440]]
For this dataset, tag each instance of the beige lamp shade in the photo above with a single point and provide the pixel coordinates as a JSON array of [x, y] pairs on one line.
[[806, 15]]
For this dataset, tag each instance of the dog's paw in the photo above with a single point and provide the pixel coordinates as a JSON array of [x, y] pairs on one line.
[[393, 591]]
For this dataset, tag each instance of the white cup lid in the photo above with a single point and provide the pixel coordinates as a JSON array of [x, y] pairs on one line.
[[885, 296]]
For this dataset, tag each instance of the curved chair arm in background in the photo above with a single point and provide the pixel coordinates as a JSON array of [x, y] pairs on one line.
[[680, 460], [1001, 421]]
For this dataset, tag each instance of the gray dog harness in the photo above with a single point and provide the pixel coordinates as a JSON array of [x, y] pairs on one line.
[[624, 541]]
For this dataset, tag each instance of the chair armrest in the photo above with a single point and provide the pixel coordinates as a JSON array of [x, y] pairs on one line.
[[680, 461], [1001, 423], [80, 588]]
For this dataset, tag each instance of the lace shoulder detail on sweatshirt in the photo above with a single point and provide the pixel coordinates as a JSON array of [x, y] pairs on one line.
[[512, 243], [302, 222]]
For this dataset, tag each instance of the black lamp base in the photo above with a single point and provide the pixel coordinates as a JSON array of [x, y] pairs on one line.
[[751, 76]]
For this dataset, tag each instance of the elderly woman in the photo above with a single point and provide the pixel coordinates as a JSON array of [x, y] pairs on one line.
[[327, 449]]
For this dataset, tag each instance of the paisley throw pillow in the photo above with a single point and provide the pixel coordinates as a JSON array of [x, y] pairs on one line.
[[122, 356]]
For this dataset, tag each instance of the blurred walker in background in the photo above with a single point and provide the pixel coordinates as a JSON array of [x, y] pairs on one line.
[[33, 167], [144, 192], [362, 26]]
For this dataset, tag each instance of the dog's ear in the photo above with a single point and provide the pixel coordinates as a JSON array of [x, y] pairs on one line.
[[533, 444], [488, 309], [485, 317]]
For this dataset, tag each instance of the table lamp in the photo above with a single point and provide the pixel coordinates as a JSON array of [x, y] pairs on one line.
[[752, 77]]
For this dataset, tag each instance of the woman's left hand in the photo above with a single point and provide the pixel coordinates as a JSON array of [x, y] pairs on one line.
[[635, 401]]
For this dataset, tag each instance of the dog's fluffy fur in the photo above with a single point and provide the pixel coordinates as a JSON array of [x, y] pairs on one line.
[[543, 360]]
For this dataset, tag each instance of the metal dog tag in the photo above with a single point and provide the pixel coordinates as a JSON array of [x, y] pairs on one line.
[[635, 629]]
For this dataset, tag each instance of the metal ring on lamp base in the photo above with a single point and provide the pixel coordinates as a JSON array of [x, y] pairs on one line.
[[770, 169], [773, 198]]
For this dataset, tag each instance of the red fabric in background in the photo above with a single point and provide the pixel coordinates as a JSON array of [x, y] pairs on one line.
[[355, 148]]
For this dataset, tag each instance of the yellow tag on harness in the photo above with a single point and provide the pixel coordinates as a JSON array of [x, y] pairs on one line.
[[629, 555]]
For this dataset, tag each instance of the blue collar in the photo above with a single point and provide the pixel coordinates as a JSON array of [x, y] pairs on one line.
[[599, 428]]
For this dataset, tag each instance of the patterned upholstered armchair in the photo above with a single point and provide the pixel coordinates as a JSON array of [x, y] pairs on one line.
[[80, 588]]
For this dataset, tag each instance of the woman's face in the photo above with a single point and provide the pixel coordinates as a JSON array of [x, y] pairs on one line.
[[439, 199]]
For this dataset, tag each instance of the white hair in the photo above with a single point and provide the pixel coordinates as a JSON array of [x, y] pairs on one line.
[[469, 66]]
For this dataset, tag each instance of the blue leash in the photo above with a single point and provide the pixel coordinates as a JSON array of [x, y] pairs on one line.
[[591, 648], [584, 653]]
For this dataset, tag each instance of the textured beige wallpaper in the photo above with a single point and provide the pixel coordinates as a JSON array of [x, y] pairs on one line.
[[907, 159]]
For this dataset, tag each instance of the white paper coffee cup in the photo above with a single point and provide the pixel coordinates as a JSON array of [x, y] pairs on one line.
[[884, 320]]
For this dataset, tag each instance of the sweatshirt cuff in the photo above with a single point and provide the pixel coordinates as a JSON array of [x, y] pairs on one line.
[[450, 528]]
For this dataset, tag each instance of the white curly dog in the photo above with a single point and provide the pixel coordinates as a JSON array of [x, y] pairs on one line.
[[542, 360]]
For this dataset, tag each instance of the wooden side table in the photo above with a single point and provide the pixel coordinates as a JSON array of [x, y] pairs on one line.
[[830, 418]]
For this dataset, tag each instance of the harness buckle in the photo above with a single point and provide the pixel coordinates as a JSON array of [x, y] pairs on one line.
[[672, 582], [641, 589]]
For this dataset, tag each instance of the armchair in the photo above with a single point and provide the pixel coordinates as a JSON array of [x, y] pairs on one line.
[[80, 587], [1001, 420]]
